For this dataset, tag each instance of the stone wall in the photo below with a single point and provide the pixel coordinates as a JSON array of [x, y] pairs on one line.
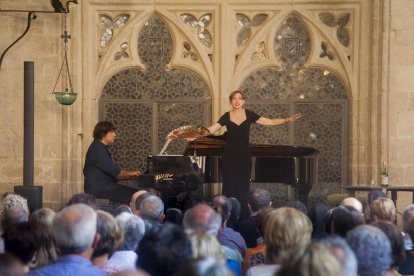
[[398, 90], [381, 106]]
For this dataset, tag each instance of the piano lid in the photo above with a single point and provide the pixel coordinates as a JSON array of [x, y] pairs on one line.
[[214, 145]]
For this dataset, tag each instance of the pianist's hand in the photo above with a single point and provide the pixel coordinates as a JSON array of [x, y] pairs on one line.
[[134, 173]]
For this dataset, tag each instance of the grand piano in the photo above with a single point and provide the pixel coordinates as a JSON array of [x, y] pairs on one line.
[[200, 163]]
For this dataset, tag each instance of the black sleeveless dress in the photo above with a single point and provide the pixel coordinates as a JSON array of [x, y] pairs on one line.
[[236, 162]]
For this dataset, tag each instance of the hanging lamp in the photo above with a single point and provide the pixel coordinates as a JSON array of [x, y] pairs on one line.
[[66, 97]]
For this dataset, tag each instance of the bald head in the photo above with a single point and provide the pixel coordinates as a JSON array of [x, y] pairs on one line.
[[202, 218], [134, 197], [353, 202]]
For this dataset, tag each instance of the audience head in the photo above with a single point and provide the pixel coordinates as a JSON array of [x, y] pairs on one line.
[[41, 220], [224, 203], [406, 216], [258, 199], [286, 228], [22, 241], [152, 208], [206, 266], [12, 200], [123, 208], [84, 198], [343, 253], [310, 260], [14, 215], [174, 215], [373, 195], [204, 244], [164, 250], [382, 209], [139, 200], [133, 228], [397, 243], [202, 218], [317, 216], [134, 197], [372, 250], [353, 202], [10, 265], [74, 229], [111, 235], [298, 205], [102, 128], [235, 212], [345, 218]]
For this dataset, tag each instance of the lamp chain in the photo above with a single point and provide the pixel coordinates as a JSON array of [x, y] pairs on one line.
[[65, 38]]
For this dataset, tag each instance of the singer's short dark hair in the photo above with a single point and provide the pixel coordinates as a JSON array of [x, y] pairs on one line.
[[102, 128]]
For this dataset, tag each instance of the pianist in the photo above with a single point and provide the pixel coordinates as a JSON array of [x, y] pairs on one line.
[[100, 172]]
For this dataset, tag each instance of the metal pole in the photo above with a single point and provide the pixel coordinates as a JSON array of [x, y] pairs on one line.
[[28, 125]]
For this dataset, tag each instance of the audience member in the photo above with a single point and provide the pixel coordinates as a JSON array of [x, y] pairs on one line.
[[41, 220], [317, 215], [298, 205], [372, 250], [152, 208], [164, 250], [285, 229], [407, 267], [139, 200], [345, 218], [84, 198], [343, 253], [123, 208], [310, 260], [111, 237], [202, 217], [174, 215], [371, 196], [133, 229], [406, 216], [206, 266], [14, 215], [257, 200], [383, 209], [22, 241], [74, 231], [397, 244], [12, 200], [353, 202], [235, 213], [204, 244], [228, 236], [10, 265], [257, 255], [134, 197]]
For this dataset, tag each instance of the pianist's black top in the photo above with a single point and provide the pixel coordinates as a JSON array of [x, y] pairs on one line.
[[100, 171], [236, 162]]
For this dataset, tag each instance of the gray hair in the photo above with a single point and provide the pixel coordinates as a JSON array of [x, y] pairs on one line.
[[372, 249], [349, 264], [74, 229], [12, 200], [202, 218], [133, 228], [151, 208]]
